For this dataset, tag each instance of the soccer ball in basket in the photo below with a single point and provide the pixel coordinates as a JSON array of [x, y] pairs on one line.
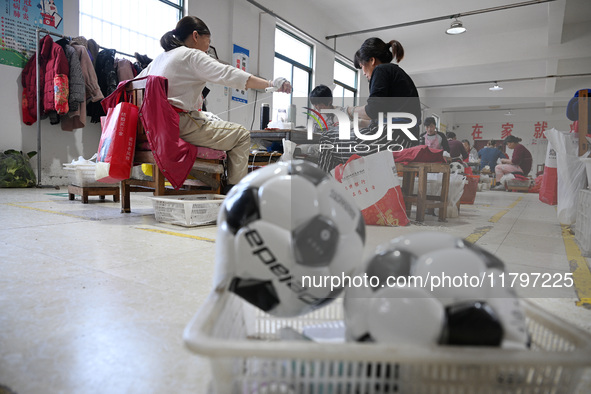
[[407, 301], [282, 231]]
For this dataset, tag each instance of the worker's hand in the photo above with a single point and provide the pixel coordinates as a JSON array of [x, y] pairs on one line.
[[279, 84]]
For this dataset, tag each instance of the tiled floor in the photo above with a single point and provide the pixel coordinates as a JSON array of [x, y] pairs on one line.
[[95, 301]]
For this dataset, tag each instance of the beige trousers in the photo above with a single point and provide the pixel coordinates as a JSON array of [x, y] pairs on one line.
[[233, 138]]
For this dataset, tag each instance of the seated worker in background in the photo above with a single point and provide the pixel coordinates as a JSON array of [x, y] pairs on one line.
[[431, 137], [456, 148], [520, 162], [188, 67], [489, 156], [321, 98], [472, 152]]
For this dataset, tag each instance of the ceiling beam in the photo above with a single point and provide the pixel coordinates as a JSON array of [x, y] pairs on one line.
[[440, 18], [504, 80]]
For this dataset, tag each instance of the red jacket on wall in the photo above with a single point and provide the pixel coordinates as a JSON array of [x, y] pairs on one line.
[[53, 77]]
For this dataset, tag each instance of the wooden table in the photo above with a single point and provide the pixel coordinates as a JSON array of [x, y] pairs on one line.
[[421, 199]]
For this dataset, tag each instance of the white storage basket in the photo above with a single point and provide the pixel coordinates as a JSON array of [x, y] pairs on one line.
[[246, 356], [188, 211], [83, 175]]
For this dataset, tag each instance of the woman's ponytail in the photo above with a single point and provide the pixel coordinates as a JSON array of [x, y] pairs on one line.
[[397, 50], [169, 41]]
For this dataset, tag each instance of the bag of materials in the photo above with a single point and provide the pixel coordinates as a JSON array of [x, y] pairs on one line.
[[549, 185], [116, 148], [373, 183], [571, 173], [15, 169]]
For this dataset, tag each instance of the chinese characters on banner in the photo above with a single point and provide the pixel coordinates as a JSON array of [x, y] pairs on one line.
[[506, 130], [19, 20], [539, 129], [477, 132], [241, 59]]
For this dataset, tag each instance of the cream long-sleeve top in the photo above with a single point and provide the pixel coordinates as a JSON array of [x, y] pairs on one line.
[[188, 70]]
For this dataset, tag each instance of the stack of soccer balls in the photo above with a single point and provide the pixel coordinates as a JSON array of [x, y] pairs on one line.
[[282, 228], [434, 288], [287, 227]]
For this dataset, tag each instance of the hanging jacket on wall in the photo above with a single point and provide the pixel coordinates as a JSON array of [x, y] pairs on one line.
[[107, 80], [77, 88], [106, 71], [141, 63], [53, 81], [124, 70], [77, 120]]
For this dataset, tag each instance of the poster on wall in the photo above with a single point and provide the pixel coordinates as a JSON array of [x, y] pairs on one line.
[[19, 20], [240, 58]]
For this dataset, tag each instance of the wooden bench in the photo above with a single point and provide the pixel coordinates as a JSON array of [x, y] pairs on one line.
[[207, 172]]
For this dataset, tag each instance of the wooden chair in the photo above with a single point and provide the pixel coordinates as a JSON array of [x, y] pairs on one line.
[[207, 172]]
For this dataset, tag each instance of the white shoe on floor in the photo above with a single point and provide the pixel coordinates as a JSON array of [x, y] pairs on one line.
[[499, 188]]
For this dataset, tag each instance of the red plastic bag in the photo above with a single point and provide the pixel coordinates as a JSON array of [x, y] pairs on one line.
[[373, 183], [115, 153], [470, 189], [549, 186]]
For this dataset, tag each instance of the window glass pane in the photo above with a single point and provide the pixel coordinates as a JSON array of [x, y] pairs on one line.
[[281, 100], [293, 48], [300, 85], [128, 26], [349, 97], [345, 75], [300, 88], [337, 95]]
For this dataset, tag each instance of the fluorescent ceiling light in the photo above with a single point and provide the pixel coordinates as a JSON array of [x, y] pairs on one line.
[[495, 87], [456, 28]]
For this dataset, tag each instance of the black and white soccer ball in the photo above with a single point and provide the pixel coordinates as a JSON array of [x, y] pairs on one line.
[[282, 231], [417, 313]]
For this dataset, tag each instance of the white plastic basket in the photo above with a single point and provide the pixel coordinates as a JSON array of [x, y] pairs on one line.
[[188, 211], [83, 175], [247, 356]]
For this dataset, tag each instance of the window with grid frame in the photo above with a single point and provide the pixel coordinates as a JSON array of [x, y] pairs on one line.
[[129, 26], [345, 79], [293, 61]]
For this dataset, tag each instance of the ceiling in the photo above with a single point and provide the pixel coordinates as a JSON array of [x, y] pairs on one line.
[[518, 47]]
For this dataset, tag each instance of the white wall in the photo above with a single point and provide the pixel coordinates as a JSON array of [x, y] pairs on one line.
[[57, 146]]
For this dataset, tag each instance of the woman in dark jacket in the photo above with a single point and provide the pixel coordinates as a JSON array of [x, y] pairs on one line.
[[390, 90]]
